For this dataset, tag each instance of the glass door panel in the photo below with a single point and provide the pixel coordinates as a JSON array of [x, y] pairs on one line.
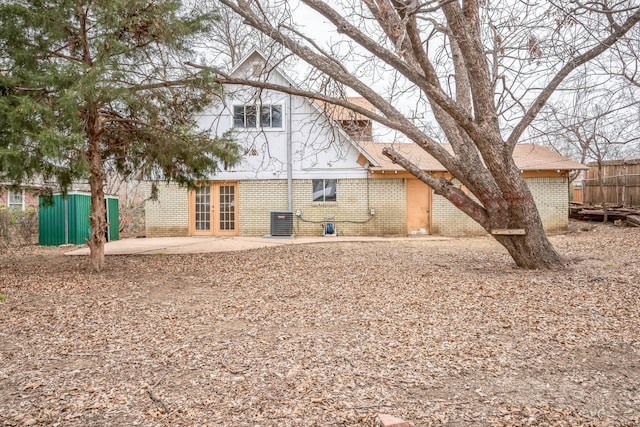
[[227, 208], [203, 209]]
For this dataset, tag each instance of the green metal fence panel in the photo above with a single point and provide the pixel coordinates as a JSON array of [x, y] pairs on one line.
[[113, 218], [67, 220], [51, 222], [79, 210]]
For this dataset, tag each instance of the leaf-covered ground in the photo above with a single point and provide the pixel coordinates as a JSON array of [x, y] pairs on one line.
[[435, 332]]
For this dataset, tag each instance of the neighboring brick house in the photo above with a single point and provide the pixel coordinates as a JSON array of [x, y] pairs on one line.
[[23, 198], [320, 169]]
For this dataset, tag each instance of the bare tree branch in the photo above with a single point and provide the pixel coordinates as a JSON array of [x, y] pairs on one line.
[[544, 96]]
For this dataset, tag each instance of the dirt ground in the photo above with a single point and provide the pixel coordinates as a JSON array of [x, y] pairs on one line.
[[434, 332]]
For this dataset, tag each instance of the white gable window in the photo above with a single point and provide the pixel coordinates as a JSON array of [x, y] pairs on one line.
[[324, 190], [247, 117], [16, 199], [244, 116], [271, 116]]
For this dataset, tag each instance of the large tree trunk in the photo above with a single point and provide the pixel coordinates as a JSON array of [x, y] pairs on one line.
[[508, 209], [533, 250], [97, 217]]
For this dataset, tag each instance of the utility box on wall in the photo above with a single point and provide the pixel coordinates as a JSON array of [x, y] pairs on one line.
[[67, 220]]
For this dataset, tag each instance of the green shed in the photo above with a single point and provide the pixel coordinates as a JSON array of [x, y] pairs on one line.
[[66, 221]]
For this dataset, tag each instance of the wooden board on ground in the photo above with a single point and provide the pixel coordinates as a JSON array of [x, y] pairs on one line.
[[596, 213]]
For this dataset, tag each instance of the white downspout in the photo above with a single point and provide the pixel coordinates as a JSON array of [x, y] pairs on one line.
[[289, 161]]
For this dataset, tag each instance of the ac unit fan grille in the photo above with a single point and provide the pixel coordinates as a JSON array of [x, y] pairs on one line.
[[281, 223]]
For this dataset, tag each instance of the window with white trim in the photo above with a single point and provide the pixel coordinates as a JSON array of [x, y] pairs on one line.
[[247, 117], [16, 199], [325, 190], [271, 116], [244, 116]]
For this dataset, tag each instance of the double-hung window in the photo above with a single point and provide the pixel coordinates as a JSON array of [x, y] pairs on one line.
[[16, 199], [244, 116], [271, 116], [324, 190], [253, 116]]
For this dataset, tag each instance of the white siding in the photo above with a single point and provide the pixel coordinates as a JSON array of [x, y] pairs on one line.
[[319, 149]]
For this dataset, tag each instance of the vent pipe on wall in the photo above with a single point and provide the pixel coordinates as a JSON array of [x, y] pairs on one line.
[[289, 160]]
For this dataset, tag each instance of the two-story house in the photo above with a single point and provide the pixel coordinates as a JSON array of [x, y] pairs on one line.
[[316, 170]]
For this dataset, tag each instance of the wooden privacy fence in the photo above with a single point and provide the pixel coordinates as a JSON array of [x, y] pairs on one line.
[[620, 183]]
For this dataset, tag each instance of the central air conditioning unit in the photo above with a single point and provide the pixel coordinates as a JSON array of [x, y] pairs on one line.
[[281, 223]]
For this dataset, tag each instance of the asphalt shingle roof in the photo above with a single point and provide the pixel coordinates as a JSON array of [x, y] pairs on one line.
[[528, 157]]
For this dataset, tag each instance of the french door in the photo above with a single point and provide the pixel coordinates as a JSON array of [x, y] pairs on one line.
[[213, 209]]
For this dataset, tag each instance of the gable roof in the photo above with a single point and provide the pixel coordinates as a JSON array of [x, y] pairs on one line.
[[528, 157], [268, 67], [265, 68]]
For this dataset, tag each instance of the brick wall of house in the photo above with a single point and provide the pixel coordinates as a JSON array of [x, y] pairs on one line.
[[30, 197], [258, 198], [447, 220], [552, 199], [169, 215], [350, 212], [550, 194]]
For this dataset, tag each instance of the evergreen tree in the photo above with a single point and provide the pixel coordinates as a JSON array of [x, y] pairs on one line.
[[84, 83]]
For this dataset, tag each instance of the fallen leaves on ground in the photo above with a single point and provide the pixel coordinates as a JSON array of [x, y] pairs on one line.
[[434, 332]]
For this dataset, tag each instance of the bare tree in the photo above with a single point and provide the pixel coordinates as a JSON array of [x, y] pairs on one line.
[[230, 39], [596, 118], [481, 70], [595, 124]]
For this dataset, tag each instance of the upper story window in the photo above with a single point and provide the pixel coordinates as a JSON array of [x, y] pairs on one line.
[[16, 199], [246, 116], [324, 190], [271, 116]]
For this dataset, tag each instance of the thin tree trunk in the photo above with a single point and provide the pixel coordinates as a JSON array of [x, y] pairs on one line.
[[97, 217], [603, 196]]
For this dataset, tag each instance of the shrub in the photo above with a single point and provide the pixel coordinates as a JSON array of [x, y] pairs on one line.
[[18, 226], [5, 225]]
